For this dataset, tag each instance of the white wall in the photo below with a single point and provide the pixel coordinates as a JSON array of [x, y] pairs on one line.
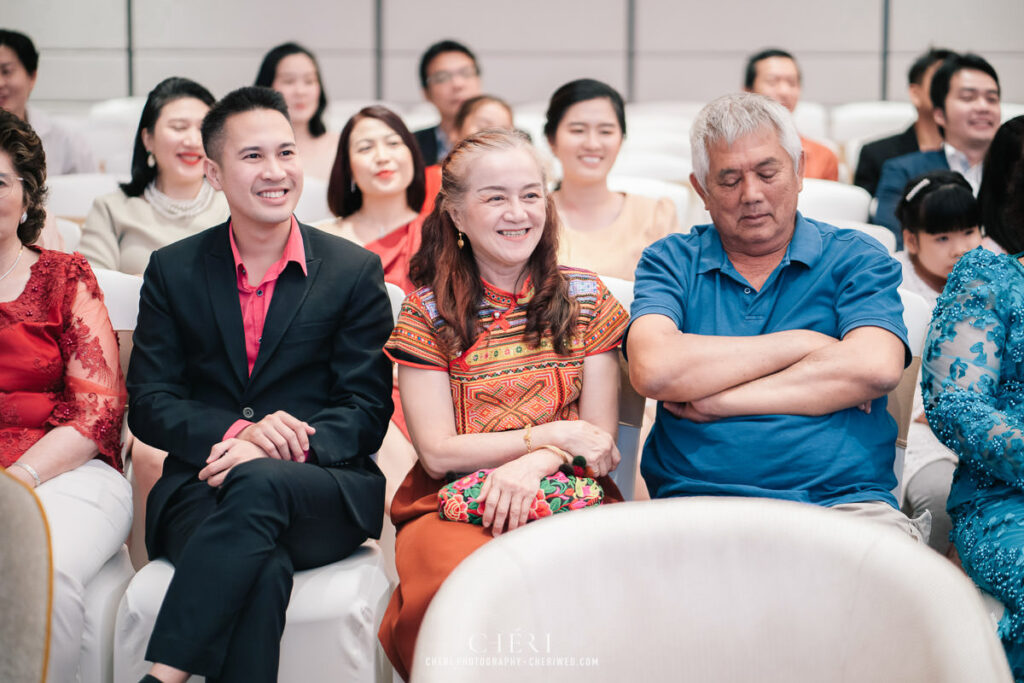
[[684, 49]]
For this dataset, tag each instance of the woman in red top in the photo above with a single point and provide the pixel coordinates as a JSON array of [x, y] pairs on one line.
[[378, 190], [62, 395]]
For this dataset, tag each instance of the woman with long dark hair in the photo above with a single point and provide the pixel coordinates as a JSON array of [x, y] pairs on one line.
[[167, 198]]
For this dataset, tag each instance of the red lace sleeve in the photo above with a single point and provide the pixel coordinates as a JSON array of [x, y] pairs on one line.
[[93, 398]]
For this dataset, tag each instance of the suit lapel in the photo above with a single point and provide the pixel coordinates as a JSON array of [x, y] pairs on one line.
[[289, 294], [223, 290]]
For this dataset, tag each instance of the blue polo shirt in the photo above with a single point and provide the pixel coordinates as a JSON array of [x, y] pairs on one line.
[[830, 281]]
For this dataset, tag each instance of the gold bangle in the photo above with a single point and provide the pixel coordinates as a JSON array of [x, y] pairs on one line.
[[526, 438], [559, 452]]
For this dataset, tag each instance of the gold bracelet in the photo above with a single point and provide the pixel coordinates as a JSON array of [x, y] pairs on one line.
[[526, 438], [559, 452]]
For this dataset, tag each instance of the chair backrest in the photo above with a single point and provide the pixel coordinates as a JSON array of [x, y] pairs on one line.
[[916, 316], [879, 232], [71, 232], [397, 296], [121, 296], [707, 589], [312, 205], [26, 566], [656, 189], [827, 200], [631, 406], [811, 120], [870, 119], [656, 165], [71, 196]]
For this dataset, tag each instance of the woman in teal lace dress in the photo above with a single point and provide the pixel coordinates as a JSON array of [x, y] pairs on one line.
[[972, 379]]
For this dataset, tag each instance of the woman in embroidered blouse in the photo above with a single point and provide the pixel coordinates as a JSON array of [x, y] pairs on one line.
[[502, 353], [167, 198], [61, 392], [973, 378], [377, 190], [602, 230]]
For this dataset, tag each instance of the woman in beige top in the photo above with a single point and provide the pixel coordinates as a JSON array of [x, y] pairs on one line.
[[602, 230], [167, 197]]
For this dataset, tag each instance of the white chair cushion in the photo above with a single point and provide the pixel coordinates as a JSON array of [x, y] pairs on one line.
[[102, 597], [331, 624]]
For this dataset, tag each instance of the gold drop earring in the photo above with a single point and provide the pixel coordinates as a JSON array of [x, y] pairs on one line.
[[460, 241]]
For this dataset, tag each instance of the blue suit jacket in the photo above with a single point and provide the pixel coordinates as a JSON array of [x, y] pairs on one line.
[[896, 173]]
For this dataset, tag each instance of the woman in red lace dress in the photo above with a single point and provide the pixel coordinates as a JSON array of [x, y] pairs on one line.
[[61, 392]]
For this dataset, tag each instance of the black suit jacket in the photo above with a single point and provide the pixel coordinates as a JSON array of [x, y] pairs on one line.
[[874, 154], [320, 360], [427, 141]]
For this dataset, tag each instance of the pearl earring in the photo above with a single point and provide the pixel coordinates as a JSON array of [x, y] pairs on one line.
[[24, 216], [151, 160]]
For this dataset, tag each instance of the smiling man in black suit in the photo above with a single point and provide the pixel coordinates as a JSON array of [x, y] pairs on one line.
[[258, 365]]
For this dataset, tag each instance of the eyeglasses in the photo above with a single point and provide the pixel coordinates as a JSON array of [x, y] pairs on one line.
[[442, 77], [7, 184]]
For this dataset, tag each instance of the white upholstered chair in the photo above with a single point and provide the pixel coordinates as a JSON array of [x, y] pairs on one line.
[[707, 589], [71, 232], [829, 201], [917, 314], [879, 232], [312, 205], [656, 189], [649, 164], [870, 119], [631, 406], [71, 196], [26, 566]]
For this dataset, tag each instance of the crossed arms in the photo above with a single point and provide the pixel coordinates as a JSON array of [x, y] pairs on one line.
[[794, 372]]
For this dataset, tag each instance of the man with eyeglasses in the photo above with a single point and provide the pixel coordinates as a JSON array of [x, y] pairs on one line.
[[449, 75]]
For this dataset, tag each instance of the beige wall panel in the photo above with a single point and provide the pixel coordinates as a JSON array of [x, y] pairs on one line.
[[345, 77], [1009, 66], [81, 75], [516, 78], [702, 78], [522, 26], [746, 26], [256, 24], [67, 23], [980, 25]]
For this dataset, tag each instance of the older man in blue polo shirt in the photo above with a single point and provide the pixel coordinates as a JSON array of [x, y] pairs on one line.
[[769, 340]]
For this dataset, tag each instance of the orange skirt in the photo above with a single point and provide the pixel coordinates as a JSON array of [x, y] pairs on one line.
[[427, 549]]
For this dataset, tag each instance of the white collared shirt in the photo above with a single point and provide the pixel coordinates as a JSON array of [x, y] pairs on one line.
[[957, 161]]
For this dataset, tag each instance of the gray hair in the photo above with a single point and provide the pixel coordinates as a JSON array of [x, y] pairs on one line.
[[730, 117]]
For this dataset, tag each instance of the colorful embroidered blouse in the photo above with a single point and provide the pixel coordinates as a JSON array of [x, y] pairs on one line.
[[59, 361], [500, 383]]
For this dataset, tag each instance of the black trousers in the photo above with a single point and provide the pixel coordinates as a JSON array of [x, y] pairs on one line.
[[234, 551]]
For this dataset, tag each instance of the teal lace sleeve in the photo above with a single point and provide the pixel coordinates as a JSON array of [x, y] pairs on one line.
[[971, 368]]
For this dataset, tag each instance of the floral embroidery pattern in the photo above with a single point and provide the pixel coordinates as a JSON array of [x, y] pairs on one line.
[[973, 388], [558, 492], [59, 360]]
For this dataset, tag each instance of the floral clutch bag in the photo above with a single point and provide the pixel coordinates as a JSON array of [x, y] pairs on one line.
[[566, 489]]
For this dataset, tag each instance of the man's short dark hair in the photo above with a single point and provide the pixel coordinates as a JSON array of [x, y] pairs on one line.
[[917, 70], [249, 98], [23, 47], [944, 75], [751, 76], [439, 48]]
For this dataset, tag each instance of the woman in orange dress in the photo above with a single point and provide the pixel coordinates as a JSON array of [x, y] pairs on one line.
[[505, 360], [61, 393]]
